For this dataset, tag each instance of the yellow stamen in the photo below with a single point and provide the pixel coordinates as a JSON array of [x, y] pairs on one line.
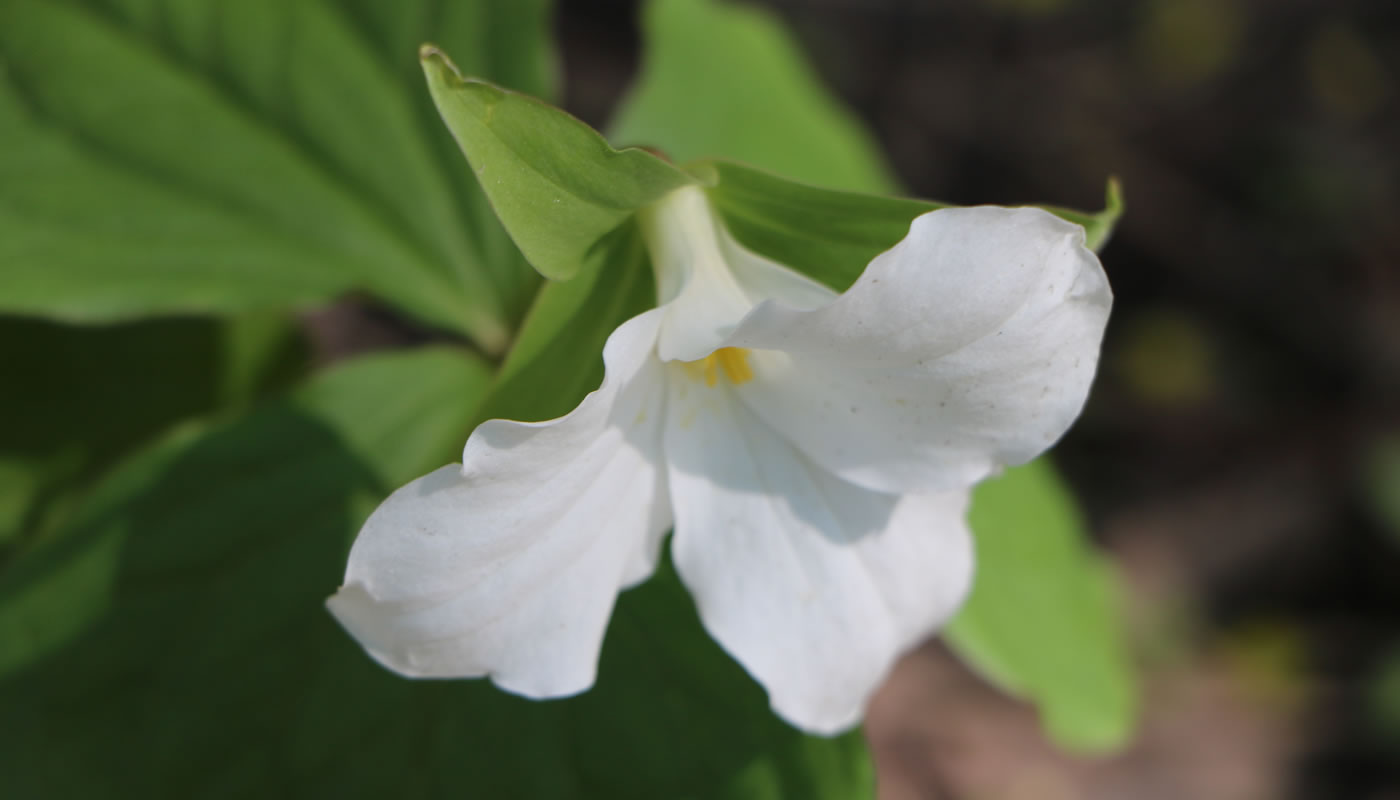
[[732, 361]]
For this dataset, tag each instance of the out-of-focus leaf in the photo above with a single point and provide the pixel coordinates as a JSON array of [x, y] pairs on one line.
[[79, 397], [21, 480], [103, 388], [1042, 620], [216, 156], [258, 352], [208, 666], [1385, 698], [1381, 481], [554, 182], [54, 587], [1168, 358], [727, 81], [85, 397]]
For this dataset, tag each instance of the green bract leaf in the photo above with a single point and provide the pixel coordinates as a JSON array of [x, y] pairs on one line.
[[207, 665], [723, 80], [555, 358], [831, 235], [1042, 619], [1098, 227], [828, 235], [198, 155], [554, 182]]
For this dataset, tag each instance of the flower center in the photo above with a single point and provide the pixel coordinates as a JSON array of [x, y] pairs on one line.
[[732, 361]]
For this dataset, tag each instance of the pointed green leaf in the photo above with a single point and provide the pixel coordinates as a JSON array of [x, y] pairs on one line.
[[831, 235], [1098, 227], [204, 664], [1042, 620], [724, 80], [555, 359], [827, 235], [554, 182]]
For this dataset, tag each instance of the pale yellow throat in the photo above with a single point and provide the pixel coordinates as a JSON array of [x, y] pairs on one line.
[[732, 362]]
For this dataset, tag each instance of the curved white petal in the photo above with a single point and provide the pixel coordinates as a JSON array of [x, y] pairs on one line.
[[969, 346], [509, 565], [765, 279], [706, 281], [815, 585]]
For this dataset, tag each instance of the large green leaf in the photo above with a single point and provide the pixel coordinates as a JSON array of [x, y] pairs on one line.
[[61, 580], [207, 666], [1042, 620], [553, 181], [80, 397], [162, 156], [725, 80]]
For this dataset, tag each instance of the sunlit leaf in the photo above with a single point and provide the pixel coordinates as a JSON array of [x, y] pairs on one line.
[[726, 80], [214, 156], [1043, 620], [554, 361], [553, 181]]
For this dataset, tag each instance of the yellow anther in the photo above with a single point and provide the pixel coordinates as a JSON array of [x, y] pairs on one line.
[[735, 362], [732, 361]]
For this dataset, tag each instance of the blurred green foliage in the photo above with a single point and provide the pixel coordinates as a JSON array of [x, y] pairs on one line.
[[1042, 620], [755, 99], [1381, 481], [205, 156]]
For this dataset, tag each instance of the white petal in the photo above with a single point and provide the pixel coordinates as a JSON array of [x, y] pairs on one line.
[[764, 279], [815, 585], [969, 346], [706, 281], [509, 565]]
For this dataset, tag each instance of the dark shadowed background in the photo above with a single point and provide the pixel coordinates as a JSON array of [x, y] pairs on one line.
[[1240, 455]]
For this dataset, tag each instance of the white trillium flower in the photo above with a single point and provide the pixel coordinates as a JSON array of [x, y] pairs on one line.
[[813, 453]]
